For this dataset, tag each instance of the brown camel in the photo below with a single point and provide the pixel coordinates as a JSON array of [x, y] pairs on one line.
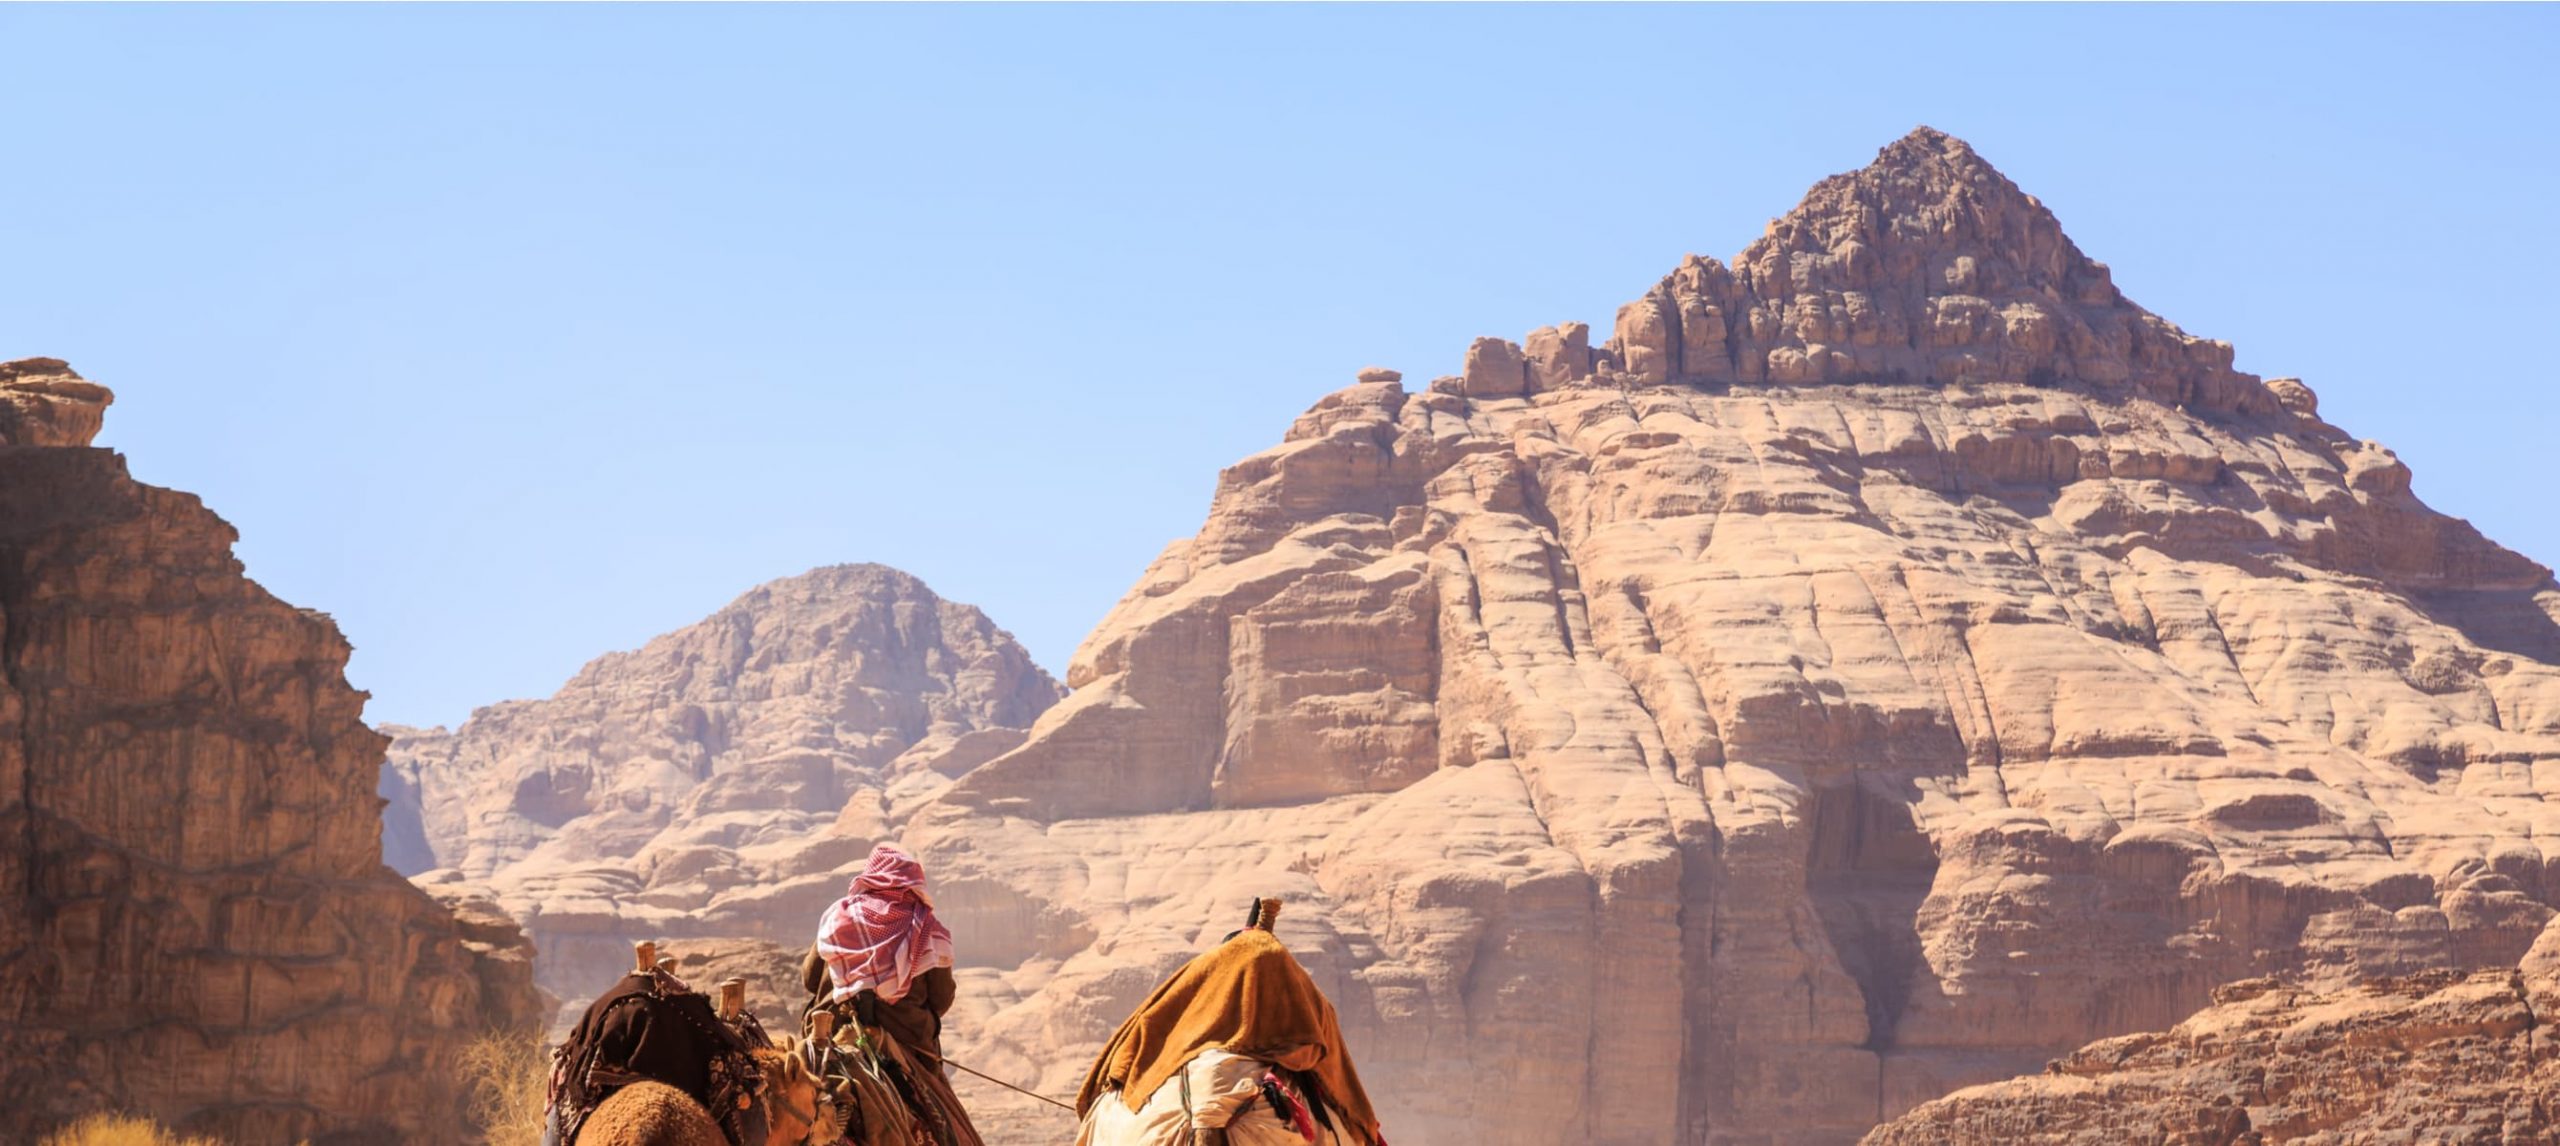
[[655, 1114]]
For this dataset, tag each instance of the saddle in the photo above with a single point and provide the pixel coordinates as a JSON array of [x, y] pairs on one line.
[[650, 1027]]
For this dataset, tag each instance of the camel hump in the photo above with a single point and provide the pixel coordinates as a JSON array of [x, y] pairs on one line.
[[650, 1114]]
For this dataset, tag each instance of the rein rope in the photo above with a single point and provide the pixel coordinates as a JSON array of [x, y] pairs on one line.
[[1069, 1107]]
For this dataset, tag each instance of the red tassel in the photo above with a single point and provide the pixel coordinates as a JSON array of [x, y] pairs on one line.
[[1298, 1117]]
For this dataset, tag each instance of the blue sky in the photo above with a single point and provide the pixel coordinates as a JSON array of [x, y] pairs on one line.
[[512, 335]]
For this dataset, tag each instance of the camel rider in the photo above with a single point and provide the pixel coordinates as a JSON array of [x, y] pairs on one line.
[[1238, 1048], [883, 959]]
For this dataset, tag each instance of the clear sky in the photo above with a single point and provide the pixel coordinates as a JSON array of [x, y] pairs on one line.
[[510, 336]]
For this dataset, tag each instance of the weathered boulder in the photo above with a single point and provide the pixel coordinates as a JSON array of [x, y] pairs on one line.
[[1494, 368], [43, 402]]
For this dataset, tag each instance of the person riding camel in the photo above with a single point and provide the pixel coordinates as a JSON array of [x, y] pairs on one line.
[[1238, 1048], [883, 959]]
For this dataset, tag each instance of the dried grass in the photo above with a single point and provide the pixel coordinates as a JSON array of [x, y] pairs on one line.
[[508, 1075], [120, 1130]]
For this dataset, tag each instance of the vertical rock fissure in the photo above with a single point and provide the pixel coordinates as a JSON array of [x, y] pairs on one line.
[[2532, 1022], [1880, 1085], [1564, 606], [2213, 617], [1990, 720], [1591, 1033], [12, 642]]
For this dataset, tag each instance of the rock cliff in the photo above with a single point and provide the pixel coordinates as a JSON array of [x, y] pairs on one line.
[[724, 780], [195, 921], [2435, 1057], [1887, 662]]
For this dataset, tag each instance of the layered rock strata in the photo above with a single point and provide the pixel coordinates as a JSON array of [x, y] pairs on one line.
[[1889, 661], [195, 921], [2439, 1056], [726, 779]]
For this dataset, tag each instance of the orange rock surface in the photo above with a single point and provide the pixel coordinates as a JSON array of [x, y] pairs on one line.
[[195, 921]]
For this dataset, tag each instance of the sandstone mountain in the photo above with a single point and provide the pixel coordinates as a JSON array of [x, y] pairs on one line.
[[1890, 661], [723, 780], [195, 921], [2435, 1057]]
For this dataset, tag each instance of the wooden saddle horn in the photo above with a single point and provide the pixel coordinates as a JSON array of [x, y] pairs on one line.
[[1264, 914]]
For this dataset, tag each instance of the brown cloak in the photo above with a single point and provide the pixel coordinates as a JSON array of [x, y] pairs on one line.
[[1248, 997]]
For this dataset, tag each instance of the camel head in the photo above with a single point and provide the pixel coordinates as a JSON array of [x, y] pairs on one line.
[[798, 1109]]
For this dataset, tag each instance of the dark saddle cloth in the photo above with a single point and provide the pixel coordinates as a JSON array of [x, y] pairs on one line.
[[647, 1030]]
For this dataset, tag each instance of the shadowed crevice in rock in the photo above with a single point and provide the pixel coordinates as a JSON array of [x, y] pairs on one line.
[[1867, 870], [2517, 621]]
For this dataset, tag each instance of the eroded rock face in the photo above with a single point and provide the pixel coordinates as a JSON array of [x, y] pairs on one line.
[[2440, 1056], [724, 780], [1893, 660], [770, 971], [195, 922]]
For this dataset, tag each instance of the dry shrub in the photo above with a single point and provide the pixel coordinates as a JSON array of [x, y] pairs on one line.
[[508, 1075], [120, 1130]]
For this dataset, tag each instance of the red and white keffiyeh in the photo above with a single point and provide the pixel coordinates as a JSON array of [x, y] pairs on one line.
[[883, 933]]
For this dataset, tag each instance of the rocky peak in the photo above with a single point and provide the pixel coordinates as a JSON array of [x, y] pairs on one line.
[[718, 780], [865, 648], [1926, 266], [43, 402], [1930, 214]]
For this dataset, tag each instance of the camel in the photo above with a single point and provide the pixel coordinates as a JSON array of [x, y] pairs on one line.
[[797, 1106], [797, 1110]]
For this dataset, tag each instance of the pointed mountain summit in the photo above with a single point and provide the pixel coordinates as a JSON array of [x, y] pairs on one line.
[[1890, 662], [1929, 219], [1930, 194], [1927, 265]]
